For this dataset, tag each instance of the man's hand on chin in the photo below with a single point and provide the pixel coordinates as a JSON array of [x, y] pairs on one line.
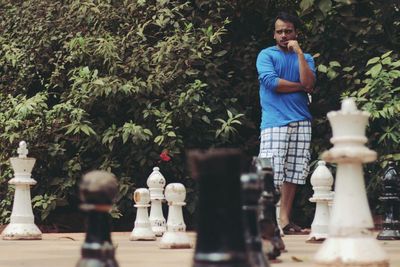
[[294, 46]]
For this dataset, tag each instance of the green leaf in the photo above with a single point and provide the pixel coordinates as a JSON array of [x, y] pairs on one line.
[[396, 64], [363, 91], [386, 54], [87, 130], [332, 74], [334, 64], [322, 68], [348, 69], [221, 53], [159, 139], [375, 70], [386, 61], [306, 4], [205, 119], [171, 134], [394, 74], [325, 6], [148, 132], [373, 61], [98, 82]]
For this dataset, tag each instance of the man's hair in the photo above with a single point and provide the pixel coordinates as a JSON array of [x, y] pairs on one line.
[[288, 18]]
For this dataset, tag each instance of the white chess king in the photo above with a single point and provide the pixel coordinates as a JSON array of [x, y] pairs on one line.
[[22, 225], [350, 241]]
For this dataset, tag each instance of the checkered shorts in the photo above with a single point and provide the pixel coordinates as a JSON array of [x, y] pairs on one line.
[[289, 148]]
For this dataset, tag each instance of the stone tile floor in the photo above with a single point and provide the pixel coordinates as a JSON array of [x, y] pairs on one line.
[[63, 250]]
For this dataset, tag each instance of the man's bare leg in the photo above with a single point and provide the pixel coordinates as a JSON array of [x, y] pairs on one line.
[[288, 191]]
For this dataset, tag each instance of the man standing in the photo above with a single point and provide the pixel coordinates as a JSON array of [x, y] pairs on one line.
[[286, 75]]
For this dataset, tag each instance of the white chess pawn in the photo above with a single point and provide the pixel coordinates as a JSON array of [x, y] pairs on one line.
[[350, 241], [22, 225], [175, 236], [142, 229], [322, 181], [156, 184]]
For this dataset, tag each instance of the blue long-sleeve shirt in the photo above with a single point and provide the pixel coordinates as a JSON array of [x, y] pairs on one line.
[[279, 109]]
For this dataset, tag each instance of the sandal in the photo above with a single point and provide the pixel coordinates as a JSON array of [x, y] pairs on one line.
[[293, 229]]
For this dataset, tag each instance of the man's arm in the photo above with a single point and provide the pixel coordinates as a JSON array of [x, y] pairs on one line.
[[307, 78], [285, 86], [267, 75]]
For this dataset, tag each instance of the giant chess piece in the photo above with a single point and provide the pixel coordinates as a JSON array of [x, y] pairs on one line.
[[391, 200], [269, 198], [156, 184], [142, 229], [22, 225], [350, 241], [175, 236], [220, 232], [97, 192], [322, 181], [251, 191]]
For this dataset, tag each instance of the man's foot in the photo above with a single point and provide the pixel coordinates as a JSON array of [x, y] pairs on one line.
[[293, 229]]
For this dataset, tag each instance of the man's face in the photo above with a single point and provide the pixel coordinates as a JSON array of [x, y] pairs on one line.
[[284, 32]]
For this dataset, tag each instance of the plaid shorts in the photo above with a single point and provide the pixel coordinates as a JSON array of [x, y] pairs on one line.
[[289, 148]]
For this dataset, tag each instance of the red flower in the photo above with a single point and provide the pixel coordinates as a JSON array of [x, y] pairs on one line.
[[164, 156]]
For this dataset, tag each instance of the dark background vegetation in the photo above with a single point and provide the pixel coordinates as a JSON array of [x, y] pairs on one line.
[[111, 84]]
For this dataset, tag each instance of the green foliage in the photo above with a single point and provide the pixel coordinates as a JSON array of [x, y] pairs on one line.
[[380, 95], [109, 85]]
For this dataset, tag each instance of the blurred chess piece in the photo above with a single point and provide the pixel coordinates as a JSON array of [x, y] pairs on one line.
[[322, 181], [350, 241], [142, 229], [330, 202], [156, 184], [220, 232], [22, 225], [175, 236], [390, 199], [97, 193], [268, 214], [251, 192]]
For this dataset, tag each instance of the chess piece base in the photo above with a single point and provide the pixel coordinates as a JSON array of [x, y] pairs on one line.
[[159, 230], [21, 231], [388, 234], [316, 239], [144, 234], [351, 252], [231, 259], [175, 240]]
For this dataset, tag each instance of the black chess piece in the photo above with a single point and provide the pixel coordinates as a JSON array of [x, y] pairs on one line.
[[220, 232], [97, 192], [251, 192], [390, 199], [269, 197]]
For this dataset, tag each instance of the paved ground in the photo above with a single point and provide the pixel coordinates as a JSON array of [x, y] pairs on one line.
[[63, 250]]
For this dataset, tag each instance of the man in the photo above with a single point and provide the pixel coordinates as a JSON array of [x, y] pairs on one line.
[[286, 75]]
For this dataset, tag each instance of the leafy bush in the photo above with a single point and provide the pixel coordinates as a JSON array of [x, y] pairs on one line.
[[110, 85]]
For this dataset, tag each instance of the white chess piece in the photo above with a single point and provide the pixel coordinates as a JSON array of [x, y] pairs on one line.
[[22, 225], [156, 184], [350, 241], [142, 229], [330, 202], [175, 236], [322, 181]]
